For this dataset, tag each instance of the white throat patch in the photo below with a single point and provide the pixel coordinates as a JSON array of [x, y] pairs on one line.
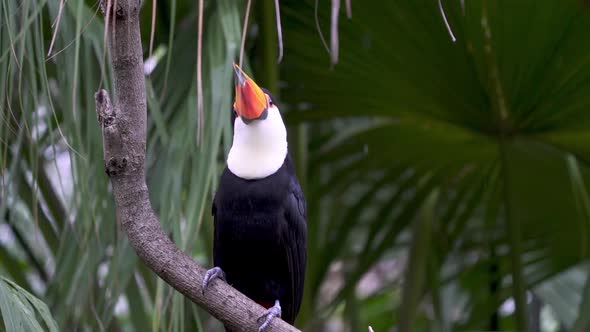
[[259, 148]]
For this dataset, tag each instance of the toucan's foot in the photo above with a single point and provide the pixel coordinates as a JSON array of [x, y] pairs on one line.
[[211, 274], [269, 315]]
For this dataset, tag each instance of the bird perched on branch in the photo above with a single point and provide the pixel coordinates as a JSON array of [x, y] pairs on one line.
[[259, 209]]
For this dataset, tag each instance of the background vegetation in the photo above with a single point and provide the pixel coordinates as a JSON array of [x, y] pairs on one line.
[[447, 182]]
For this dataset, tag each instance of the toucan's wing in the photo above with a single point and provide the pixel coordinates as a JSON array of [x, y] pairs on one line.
[[217, 245], [295, 238]]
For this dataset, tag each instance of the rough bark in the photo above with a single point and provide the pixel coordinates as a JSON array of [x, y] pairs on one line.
[[124, 136]]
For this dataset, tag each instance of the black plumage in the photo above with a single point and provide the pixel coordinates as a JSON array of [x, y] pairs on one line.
[[260, 237]]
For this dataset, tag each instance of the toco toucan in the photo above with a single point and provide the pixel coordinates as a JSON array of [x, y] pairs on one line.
[[259, 210]]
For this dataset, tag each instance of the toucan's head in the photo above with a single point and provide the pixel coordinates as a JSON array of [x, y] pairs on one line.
[[252, 102], [259, 147]]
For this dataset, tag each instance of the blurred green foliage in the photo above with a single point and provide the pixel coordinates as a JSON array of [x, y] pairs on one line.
[[447, 183]]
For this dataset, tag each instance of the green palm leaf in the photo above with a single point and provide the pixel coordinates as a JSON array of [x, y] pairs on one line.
[[22, 311], [507, 99]]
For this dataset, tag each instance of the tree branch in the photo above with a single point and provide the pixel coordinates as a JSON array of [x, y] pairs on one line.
[[124, 137]]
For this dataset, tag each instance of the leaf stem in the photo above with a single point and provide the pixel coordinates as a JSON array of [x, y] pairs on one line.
[[497, 91], [514, 234]]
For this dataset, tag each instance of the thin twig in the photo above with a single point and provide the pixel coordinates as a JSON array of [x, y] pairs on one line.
[[244, 30], [348, 9], [334, 32], [77, 37], [279, 30], [153, 29], [12, 47], [318, 26], [57, 20], [442, 12], [107, 13], [200, 117]]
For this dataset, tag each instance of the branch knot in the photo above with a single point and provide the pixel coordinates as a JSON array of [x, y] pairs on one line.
[[120, 12], [115, 166], [115, 156], [104, 110]]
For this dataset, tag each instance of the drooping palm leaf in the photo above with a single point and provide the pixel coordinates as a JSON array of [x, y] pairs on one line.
[[508, 98], [21, 311]]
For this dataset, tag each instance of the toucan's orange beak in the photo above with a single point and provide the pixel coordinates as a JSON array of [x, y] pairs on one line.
[[251, 101]]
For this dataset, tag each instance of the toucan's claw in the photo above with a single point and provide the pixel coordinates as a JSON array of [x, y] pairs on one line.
[[270, 314], [211, 274]]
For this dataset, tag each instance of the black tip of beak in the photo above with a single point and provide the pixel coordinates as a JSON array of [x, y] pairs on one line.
[[240, 78]]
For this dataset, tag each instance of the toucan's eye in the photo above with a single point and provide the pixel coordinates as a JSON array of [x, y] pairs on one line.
[[270, 103]]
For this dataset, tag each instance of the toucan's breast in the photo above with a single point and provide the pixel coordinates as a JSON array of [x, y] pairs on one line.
[[259, 147], [259, 237]]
